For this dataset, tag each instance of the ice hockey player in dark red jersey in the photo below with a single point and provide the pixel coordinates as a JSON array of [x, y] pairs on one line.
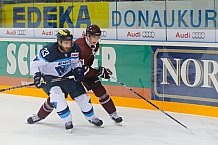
[[89, 45]]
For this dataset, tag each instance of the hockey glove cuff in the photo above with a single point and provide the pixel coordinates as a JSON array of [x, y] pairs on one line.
[[104, 72], [38, 79], [79, 74]]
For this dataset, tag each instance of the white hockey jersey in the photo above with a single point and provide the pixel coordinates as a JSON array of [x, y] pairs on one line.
[[50, 61]]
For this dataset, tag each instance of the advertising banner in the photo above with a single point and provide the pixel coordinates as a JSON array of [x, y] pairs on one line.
[[47, 33], [50, 33], [216, 35], [185, 74], [137, 15], [106, 34], [190, 21], [191, 35], [199, 14], [56, 15], [142, 34], [17, 32], [131, 64]]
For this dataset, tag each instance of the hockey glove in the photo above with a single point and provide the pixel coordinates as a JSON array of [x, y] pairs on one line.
[[104, 72], [38, 79], [79, 74]]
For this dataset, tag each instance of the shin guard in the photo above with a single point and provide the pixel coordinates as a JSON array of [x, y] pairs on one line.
[[85, 105], [60, 104]]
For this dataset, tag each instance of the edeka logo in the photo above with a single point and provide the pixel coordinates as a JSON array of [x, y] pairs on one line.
[[186, 73], [50, 16]]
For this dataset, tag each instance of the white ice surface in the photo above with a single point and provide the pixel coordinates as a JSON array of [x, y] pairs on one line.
[[140, 127]]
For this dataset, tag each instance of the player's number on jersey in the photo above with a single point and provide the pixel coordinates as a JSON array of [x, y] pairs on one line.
[[45, 52]]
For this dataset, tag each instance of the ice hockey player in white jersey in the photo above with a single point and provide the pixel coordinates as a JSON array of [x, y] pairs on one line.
[[57, 60]]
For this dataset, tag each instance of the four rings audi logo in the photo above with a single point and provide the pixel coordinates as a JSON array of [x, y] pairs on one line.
[[198, 35], [148, 34], [103, 33], [21, 32]]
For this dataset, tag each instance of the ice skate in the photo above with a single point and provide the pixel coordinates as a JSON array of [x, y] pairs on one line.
[[96, 121], [116, 118], [33, 119], [68, 125]]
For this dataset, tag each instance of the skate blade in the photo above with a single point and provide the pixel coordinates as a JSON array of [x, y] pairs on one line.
[[30, 123], [98, 126], [119, 124], [102, 126], [70, 130]]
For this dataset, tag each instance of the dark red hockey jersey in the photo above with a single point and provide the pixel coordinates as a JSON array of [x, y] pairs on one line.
[[87, 54]]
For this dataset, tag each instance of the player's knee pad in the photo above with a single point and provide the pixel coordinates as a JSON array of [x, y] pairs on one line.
[[57, 98], [85, 105], [84, 102]]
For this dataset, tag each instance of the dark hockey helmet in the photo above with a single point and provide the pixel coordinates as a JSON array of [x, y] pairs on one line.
[[93, 30], [64, 35]]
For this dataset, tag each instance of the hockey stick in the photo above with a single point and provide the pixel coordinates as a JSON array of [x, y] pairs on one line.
[[150, 103], [32, 84]]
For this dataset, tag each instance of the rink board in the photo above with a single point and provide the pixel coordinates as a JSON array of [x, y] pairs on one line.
[[134, 103], [176, 78]]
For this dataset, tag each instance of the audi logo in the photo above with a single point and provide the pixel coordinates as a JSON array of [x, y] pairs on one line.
[[103, 33], [198, 35], [21, 32], [148, 34]]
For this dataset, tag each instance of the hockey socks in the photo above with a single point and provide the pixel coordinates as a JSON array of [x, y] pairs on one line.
[[107, 103], [45, 109]]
